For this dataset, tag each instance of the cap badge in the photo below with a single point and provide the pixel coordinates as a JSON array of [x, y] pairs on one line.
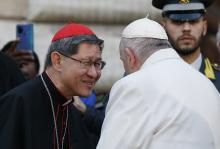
[[184, 1]]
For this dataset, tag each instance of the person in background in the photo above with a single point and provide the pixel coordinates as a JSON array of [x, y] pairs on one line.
[[27, 61], [89, 101], [162, 102], [31, 67], [39, 114], [93, 117], [186, 25], [10, 74]]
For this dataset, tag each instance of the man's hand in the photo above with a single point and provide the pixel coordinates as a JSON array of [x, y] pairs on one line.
[[79, 104], [21, 57]]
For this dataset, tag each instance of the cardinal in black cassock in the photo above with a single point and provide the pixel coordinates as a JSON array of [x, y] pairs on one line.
[[39, 114], [26, 119]]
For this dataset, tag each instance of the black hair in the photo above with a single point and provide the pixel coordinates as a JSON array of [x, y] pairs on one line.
[[37, 62]]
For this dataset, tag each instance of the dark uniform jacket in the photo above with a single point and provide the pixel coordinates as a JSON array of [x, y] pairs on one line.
[[26, 119], [211, 71]]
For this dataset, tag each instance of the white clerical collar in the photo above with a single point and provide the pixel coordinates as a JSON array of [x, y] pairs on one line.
[[197, 63], [68, 102]]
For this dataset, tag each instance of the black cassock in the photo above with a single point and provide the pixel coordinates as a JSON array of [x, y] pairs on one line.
[[26, 119]]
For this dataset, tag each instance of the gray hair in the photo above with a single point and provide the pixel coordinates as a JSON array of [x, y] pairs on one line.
[[68, 46], [143, 46]]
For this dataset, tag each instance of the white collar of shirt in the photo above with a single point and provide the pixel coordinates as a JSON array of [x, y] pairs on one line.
[[197, 63], [161, 55]]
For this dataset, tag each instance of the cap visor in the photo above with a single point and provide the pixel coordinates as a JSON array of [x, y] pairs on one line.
[[185, 17], [184, 7]]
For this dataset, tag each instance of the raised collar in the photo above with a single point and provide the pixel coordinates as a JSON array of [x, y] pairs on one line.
[[160, 55]]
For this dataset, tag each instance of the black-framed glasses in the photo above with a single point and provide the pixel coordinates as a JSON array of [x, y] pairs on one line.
[[99, 65]]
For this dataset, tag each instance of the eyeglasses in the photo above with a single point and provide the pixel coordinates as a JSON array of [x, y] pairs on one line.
[[99, 65]]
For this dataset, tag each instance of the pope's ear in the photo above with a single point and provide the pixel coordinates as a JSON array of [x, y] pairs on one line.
[[131, 57], [56, 60]]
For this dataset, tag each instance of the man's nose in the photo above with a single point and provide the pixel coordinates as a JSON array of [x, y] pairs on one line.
[[92, 71], [186, 26]]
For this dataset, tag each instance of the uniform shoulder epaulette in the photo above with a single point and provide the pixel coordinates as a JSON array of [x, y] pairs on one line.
[[209, 70], [216, 66]]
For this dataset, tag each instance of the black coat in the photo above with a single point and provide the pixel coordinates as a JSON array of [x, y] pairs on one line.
[[10, 74], [26, 119]]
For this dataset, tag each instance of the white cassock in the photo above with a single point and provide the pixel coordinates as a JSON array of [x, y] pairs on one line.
[[165, 105]]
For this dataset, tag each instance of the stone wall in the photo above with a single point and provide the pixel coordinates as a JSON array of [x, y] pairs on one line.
[[98, 11], [13, 9]]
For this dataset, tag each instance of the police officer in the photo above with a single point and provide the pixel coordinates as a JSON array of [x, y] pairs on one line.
[[186, 25]]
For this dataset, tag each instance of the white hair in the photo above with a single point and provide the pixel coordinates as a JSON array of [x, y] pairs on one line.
[[143, 46]]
